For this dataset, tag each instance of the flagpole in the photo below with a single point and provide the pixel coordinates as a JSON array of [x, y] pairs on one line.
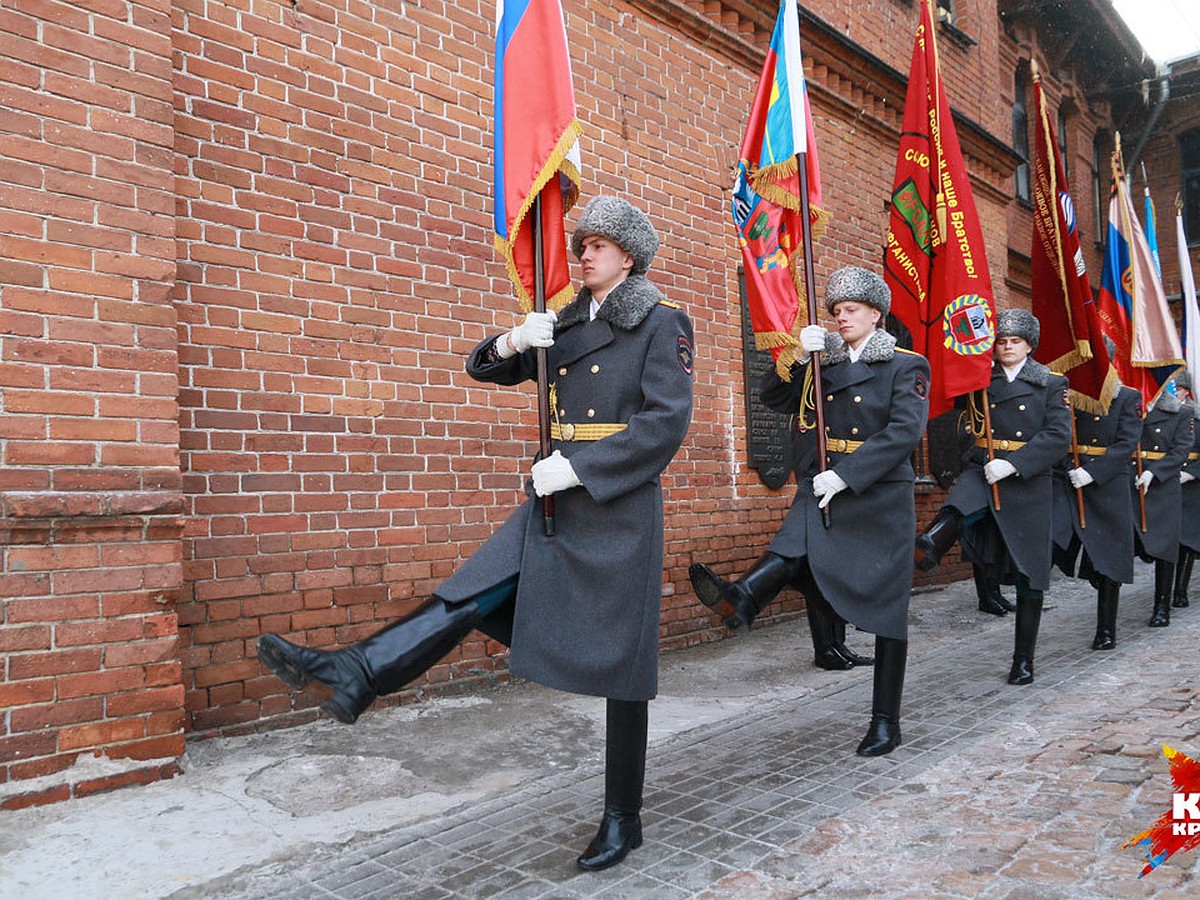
[[543, 372], [1075, 461], [991, 445], [810, 288]]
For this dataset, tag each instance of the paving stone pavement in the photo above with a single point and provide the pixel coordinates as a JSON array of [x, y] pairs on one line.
[[997, 791]]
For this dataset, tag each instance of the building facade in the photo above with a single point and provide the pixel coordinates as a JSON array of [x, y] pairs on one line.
[[246, 246]]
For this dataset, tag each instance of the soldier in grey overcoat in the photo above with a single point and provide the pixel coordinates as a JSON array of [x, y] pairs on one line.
[[579, 609], [1105, 442], [1031, 431], [859, 568], [1168, 434], [1189, 529]]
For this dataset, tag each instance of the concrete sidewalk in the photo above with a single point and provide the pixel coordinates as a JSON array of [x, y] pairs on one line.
[[753, 789]]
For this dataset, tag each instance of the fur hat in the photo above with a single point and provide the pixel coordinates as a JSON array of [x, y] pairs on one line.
[[1019, 323], [622, 223], [857, 283], [1183, 379]]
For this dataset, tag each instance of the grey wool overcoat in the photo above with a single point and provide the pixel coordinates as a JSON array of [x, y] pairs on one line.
[[586, 612], [1189, 534], [1107, 441], [1031, 428], [875, 413], [1167, 436]]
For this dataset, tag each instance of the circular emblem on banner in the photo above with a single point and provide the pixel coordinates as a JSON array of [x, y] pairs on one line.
[[967, 324]]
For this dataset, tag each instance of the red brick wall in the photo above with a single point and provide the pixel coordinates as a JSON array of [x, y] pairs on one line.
[[282, 210], [89, 480]]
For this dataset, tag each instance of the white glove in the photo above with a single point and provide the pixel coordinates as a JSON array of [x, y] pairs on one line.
[[998, 470], [1143, 480], [536, 331], [812, 338], [826, 484], [1080, 477], [1186, 476], [553, 474]]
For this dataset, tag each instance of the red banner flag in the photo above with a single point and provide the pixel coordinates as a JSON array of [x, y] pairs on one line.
[[1072, 341], [935, 262], [766, 194]]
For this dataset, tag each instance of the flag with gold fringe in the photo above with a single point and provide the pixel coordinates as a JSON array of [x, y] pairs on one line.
[[536, 144], [934, 261], [766, 194], [1072, 341]]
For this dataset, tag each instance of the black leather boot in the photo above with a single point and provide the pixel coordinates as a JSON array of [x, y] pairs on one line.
[[883, 734], [839, 644], [1164, 582], [1029, 618], [739, 602], [1107, 596], [380, 664], [1183, 577], [821, 619], [939, 537], [624, 775], [988, 592]]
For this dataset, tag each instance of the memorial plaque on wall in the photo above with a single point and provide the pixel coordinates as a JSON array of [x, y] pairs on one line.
[[767, 442]]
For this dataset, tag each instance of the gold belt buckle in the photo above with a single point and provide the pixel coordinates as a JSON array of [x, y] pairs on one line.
[[567, 431]]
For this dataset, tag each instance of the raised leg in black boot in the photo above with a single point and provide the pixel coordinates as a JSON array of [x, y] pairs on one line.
[[624, 775], [1183, 576], [883, 734], [939, 537], [1107, 596], [740, 602], [1029, 618], [387, 660], [1164, 582]]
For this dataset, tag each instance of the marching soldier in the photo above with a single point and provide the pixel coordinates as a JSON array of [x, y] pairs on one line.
[[858, 569], [1030, 431], [580, 609], [1168, 434], [1105, 443], [1189, 534]]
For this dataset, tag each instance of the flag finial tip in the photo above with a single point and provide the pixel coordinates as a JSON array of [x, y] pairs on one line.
[[1033, 69]]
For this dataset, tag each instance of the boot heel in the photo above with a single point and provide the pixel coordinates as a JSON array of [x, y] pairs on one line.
[[348, 704]]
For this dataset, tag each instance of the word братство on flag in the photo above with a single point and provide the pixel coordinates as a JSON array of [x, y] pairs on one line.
[[935, 262]]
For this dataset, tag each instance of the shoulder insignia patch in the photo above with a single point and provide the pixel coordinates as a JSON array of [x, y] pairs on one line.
[[921, 388], [670, 304], [683, 352]]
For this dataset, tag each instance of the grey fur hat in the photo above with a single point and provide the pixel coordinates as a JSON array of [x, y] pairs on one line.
[[622, 223], [1183, 379], [1019, 323], [857, 283]]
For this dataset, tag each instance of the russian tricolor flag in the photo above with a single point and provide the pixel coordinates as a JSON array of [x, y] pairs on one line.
[[537, 143]]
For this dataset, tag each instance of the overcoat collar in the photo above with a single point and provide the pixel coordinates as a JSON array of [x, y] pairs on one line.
[[626, 305], [841, 373]]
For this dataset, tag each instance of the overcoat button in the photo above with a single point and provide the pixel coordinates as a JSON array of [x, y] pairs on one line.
[[591, 414], [595, 368], [562, 370]]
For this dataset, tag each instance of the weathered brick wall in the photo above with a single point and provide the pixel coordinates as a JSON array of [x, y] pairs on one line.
[[90, 679]]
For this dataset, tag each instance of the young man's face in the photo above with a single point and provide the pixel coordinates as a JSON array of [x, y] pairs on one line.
[[855, 320], [1012, 350], [604, 264]]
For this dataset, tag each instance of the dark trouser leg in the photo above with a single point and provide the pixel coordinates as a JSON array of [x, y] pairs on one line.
[[939, 537], [1164, 582], [1107, 596], [1183, 576], [624, 776], [988, 591], [387, 660], [1029, 618], [739, 602], [883, 734]]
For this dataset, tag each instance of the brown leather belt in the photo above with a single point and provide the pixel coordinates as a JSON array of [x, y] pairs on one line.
[[585, 431]]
